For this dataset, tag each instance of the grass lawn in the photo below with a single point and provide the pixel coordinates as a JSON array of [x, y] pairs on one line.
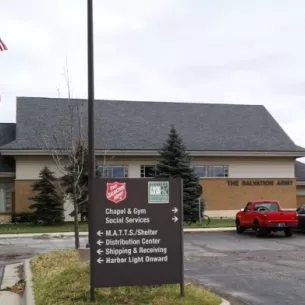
[[216, 223], [59, 278], [68, 227]]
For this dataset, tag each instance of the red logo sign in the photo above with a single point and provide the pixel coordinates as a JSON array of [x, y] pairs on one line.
[[116, 192]]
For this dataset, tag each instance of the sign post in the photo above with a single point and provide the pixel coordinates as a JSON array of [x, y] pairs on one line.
[[137, 226], [91, 150]]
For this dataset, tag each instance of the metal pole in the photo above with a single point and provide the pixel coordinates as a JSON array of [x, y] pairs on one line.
[[182, 288], [91, 154]]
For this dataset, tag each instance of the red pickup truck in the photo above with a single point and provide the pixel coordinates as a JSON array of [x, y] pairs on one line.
[[266, 216]]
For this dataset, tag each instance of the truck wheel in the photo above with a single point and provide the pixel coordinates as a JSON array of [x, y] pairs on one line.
[[239, 228], [288, 232], [259, 231]]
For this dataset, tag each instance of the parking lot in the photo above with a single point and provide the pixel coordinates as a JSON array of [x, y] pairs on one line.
[[253, 270]]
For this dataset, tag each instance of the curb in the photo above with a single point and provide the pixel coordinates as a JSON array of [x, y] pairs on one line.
[[28, 296], [225, 302], [85, 234], [208, 230]]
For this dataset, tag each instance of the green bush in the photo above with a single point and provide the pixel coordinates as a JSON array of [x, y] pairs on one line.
[[24, 217]]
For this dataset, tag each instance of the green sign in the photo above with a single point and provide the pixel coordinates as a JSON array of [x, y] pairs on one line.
[[158, 192]]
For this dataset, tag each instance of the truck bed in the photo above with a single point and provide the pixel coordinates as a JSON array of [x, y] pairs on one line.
[[278, 219]]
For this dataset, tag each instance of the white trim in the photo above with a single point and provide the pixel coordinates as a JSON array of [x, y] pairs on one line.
[[153, 153], [7, 174]]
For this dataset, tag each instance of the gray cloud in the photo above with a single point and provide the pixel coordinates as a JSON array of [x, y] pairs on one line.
[[183, 50]]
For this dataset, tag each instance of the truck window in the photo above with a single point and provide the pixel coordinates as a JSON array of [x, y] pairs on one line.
[[301, 210], [248, 206], [267, 206]]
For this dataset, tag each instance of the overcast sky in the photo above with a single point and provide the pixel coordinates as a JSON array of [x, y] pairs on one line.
[[237, 51]]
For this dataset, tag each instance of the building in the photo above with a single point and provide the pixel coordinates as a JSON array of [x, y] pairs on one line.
[[239, 151]]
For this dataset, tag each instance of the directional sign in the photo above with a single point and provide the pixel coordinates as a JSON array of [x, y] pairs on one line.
[[99, 242], [99, 251], [175, 218], [99, 260], [136, 232], [175, 210]]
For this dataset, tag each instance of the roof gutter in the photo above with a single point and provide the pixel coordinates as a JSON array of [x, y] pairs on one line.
[[152, 153]]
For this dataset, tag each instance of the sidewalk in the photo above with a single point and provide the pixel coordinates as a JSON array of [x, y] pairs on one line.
[[10, 278], [85, 234]]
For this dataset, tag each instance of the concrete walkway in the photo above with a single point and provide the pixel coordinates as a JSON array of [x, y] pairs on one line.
[[59, 234], [10, 278], [9, 298]]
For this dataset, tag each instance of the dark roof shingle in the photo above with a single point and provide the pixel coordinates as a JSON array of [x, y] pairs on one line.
[[134, 125]]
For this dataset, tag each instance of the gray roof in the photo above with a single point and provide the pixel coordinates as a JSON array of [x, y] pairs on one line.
[[135, 125], [300, 171], [7, 135]]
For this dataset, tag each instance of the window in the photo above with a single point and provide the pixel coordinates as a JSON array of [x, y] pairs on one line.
[[113, 171], [301, 210], [266, 206], [148, 171], [6, 190], [2, 200], [211, 171], [247, 208]]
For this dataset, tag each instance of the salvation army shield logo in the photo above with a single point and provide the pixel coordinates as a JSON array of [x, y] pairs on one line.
[[116, 192]]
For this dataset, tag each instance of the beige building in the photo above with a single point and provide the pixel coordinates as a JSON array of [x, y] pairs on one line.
[[239, 151]]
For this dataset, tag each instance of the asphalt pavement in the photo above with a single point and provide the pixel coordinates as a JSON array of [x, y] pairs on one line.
[[254, 270], [15, 250]]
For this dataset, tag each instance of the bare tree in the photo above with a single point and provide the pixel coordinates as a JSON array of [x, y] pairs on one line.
[[69, 151], [71, 162]]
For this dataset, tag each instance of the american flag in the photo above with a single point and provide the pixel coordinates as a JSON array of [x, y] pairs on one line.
[[3, 46]]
